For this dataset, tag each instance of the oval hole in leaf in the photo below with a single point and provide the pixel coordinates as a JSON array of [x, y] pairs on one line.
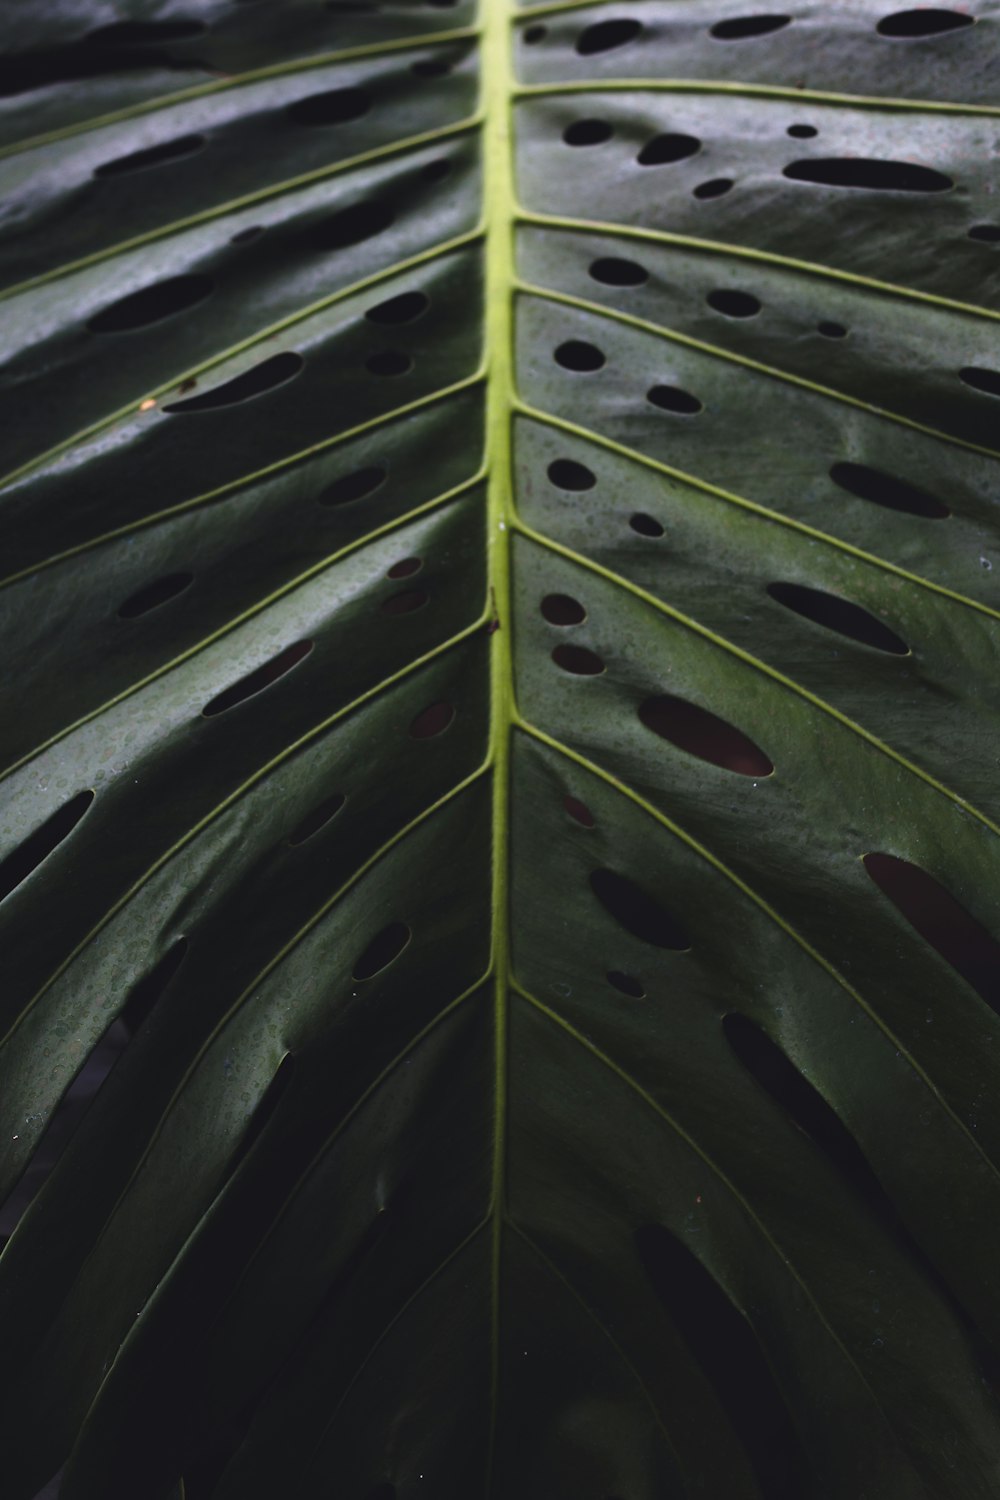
[[723, 1343], [567, 474], [664, 149], [155, 594], [637, 912], [256, 681], [887, 490], [351, 226], [388, 362], [246, 236], [626, 984], [431, 721], [26, 858], [402, 309], [747, 26], [258, 381], [605, 35], [576, 354], [802, 132], [988, 233], [987, 381], [143, 33], [835, 613], [356, 486], [152, 304], [264, 1111], [778, 1076], [611, 270], [672, 398], [316, 819], [405, 567], [534, 34], [832, 330], [561, 609], [153, 156], [946, 926], [929, 22], [146, 993], [334, 107], [870, 173], [587, 133], [578, 661], [733, 304], [714, 189], [405, 602], [383, 950], [579, 812], [698, 732], [645, 525]]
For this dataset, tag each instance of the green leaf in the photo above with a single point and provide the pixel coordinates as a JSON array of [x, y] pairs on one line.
[[499, 862]]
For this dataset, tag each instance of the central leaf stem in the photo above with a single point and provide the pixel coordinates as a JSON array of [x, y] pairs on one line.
[[498, 208]]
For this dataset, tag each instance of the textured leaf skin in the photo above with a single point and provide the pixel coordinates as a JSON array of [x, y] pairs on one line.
[[503, 528]]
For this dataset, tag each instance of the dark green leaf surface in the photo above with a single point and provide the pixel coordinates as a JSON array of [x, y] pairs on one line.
[[498, 534]]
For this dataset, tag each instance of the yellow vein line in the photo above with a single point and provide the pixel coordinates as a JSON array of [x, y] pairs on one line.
[[498, 199], [396, 524], [259, 979], [234, 205], [238, 80], [234, 796], [630, 320], [730, 1186], [291, 460], [745, 252], [755, 662], [591, 1312], [587, 434], [751, 91], [434, 252], [703, 852]]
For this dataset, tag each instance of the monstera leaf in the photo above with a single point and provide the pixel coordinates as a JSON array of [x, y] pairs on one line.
[[500, 750]]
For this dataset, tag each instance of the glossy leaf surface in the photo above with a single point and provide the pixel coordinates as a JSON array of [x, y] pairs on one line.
[[499, 751]]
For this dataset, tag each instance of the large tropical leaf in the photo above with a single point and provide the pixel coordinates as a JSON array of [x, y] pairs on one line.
[[500, 745]]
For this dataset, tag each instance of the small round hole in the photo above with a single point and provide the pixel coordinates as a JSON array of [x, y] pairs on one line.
[[626, 984], [743, 27], [610, 270], [713, 189], [802, 132], [389, 362], [406, 602], [576, 354], [645, 525], [579, 812], [405, 308], [356, 486], [578, 661], [383, 950], [561, 609], [603, 36], [832, 330], [567, 474], [587, 133], [404, 568], [334, 107], [664, 149], [431, 721], [672, 398], [734, 304]]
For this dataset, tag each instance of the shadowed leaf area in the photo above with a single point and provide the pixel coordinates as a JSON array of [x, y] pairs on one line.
[[499, 813]]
